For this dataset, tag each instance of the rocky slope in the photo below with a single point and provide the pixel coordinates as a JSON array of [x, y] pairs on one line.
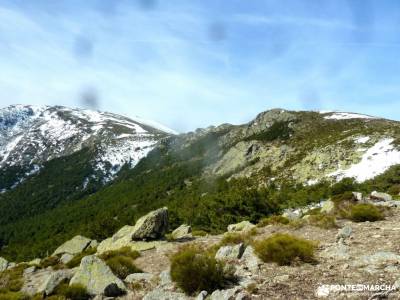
[[209, 178], [362, 257]]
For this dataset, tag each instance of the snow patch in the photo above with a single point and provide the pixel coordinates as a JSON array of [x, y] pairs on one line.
[[376, 160], [345, 116], [362, 139]]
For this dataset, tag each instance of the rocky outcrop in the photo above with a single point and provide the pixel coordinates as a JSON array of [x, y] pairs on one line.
[[380, 196], [182, 232], [75, 245], [230, 252], [95, 276], [242, 226], [235, 293], [43, 281], [251, 261], [3, 264], [160, 294], [151, 226]]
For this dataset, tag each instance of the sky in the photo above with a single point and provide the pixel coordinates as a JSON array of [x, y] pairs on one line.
[[194, 63]]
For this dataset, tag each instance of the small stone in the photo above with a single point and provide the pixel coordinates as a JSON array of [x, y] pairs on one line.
[[202, 295], [381, 196], [344, 233], [251, 260]]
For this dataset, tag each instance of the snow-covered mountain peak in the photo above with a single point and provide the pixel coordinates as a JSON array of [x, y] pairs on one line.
[[33, 135]]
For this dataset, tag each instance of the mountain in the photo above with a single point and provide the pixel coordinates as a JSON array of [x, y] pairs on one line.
[[30, 136], [208, 178]]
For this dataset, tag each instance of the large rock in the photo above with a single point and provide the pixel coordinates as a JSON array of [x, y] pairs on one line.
[[95, 275], [230, 252], [137, 277], [251, 261], [242, 226], [182, 232], [151, 226], [378, 259], [3, 264], [160, 294], [381, 196], [44, 281], [328, 207], [235, 293], [74, 246]]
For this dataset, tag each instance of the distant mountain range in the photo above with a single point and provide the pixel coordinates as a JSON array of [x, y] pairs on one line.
[[71, 171]]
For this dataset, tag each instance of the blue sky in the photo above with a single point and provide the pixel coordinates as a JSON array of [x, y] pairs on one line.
[[193, 63]]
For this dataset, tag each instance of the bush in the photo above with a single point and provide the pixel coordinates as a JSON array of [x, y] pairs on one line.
[[73, 292], [323, 221], [273, 220], [233, 238], [124, 251], [11, 280], [195, 270], [51, 261], [365, 212], [199, 233], [285, 249], [74, 262], [13, 296], [122, 266], [121, 261], [394, 190]]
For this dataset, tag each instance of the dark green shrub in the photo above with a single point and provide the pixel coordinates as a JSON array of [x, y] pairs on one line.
[[121, 261], [394, 190], [365, 212], [233, 238], [122, 266], [323, 221], [12, 280], [73, 292], [13, 296], [77, 258], [285, 249], [51, 261], [199, 233], [345, 185], [194, 270], [124, 251], [273, 220]]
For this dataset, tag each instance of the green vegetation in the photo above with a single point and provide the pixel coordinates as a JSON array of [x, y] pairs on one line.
[[323, 221], [194, 270], [278, 130], [233, 238], [365, 212], [121, 261], [76, 260], [285, 249], [73, 292], [199, 233], [273, 220], [50, 207], [11, 282]]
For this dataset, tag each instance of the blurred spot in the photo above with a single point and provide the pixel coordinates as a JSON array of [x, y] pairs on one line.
[[310, 99], [363, 18], [108, 8], [217, 32], [278, 41], [83, 47], [89, 98], [147, 4]]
